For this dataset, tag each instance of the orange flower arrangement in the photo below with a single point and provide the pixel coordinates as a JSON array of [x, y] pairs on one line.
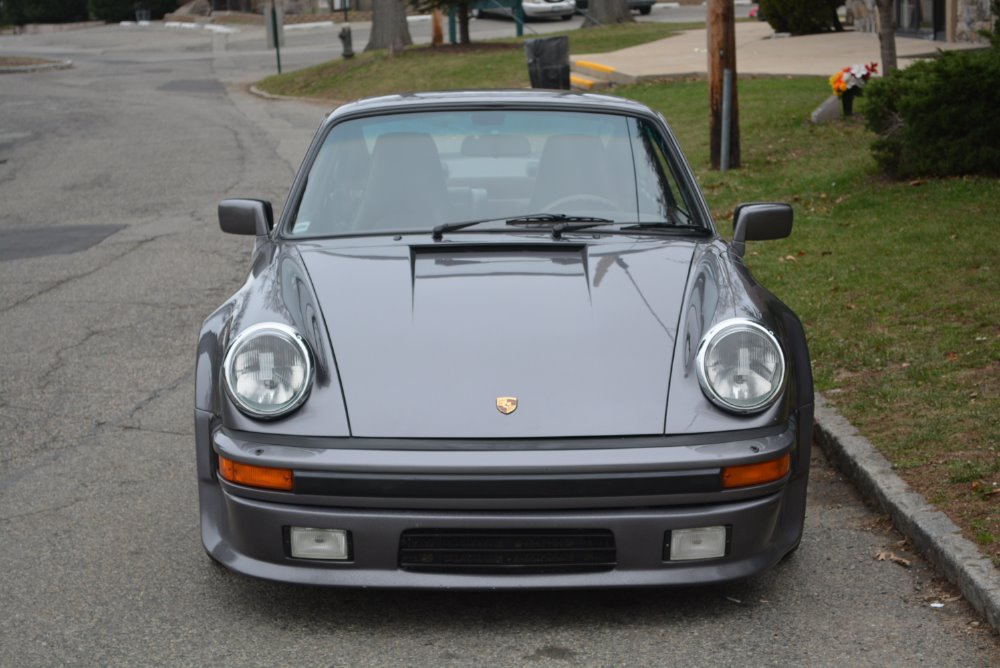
[[855, 76]]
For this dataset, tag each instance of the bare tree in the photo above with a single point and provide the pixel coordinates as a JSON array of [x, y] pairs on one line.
[[389, 28], [437, 32], [604, 12], [886, 35], [463, 12]]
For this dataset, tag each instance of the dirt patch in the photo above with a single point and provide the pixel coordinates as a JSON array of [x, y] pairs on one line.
[[474, 47], [23, 61]]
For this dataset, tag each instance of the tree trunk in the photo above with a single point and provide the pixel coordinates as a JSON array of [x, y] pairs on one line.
[[437, 32], [886, 35], [463, 23], [389, 28], [722, 57], [607, 12]]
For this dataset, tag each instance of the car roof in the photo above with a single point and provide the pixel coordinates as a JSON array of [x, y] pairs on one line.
[[472, 99]]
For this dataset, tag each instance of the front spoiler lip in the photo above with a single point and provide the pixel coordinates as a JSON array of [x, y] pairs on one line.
[[243, 535]]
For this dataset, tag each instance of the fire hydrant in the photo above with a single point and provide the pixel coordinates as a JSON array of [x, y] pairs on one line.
[[345, 39]]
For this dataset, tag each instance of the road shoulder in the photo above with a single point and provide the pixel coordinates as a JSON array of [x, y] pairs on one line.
[[934, 535]]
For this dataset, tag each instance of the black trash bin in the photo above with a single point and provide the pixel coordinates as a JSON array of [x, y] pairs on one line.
[[548, 62]]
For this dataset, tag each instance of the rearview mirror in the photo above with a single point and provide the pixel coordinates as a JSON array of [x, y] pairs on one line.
[[246, 216], [760, 222]]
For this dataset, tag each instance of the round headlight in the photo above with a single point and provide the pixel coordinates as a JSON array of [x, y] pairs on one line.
[[740, 366], [268, 370]]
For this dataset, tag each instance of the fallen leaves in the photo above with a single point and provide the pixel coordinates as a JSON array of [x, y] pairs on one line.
[[885, 555]]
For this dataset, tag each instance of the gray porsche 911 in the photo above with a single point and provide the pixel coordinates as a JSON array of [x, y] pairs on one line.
[[495, 341]]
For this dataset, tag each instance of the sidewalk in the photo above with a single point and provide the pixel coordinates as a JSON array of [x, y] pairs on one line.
[[758, 51]]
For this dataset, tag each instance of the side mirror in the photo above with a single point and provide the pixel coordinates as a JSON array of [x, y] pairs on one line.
[[760, 222], [246, 216]]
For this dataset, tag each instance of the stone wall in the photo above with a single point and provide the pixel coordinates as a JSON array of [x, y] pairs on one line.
[[972, 16]]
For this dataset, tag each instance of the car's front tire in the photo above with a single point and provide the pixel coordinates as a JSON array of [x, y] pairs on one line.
[[645, 11]]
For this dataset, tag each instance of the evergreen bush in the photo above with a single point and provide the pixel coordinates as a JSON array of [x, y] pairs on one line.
[[124, 10], [938, 117], [19, 12], [112, 10], [801, 18]]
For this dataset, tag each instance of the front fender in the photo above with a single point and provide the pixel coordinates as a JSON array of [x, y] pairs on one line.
[[278, 290], [719, 288]]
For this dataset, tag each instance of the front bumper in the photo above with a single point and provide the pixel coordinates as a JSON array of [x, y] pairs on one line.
[[246, 530], [543, 9]]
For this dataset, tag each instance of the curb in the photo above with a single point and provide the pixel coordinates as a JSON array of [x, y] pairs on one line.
[[39, 67], [601, 71], [328, 105], [271, 96], [931, 532]]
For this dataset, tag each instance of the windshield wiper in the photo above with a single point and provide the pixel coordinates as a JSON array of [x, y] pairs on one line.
[[556, 218], [568, 223], [451, 227], [560, 218], [563, 222], [665, 225]]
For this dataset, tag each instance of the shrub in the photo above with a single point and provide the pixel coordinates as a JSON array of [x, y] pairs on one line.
[[124, 10], [938, 117], [20, 12], [801, 18], [994, 34]]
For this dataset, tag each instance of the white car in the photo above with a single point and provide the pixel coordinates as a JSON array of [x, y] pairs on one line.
[[533, 9]]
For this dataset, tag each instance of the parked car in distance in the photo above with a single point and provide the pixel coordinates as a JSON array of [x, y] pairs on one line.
[[644, 7], [533, 9], [495, 340]]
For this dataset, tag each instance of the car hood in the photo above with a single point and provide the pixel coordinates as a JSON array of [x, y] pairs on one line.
[[428, 339]]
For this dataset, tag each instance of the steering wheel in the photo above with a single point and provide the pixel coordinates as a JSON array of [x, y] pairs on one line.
[[604, 202]]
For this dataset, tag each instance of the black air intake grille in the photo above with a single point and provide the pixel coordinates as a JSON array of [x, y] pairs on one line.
[[507, 551]]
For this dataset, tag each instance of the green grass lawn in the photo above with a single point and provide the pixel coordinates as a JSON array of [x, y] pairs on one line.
[[492, 64], [897, 282]]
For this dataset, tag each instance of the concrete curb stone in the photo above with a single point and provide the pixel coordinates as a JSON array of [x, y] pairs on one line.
[[931, 531]]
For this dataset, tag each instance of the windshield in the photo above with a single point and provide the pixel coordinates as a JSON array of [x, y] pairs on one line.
[[416, 171]]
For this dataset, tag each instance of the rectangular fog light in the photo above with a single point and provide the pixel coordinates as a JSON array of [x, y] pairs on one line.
[[699, 543], [326, 544]]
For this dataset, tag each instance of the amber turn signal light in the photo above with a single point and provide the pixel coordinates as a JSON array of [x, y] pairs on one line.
[[756, 474], [255, 476]]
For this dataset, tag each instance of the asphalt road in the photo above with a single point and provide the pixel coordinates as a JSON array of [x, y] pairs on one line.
[[110, 257]]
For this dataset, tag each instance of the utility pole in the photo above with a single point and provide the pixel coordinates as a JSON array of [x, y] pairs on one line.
[[722, 84], [275, 27]]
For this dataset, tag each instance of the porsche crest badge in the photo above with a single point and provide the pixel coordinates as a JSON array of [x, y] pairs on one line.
[[506, 405]]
